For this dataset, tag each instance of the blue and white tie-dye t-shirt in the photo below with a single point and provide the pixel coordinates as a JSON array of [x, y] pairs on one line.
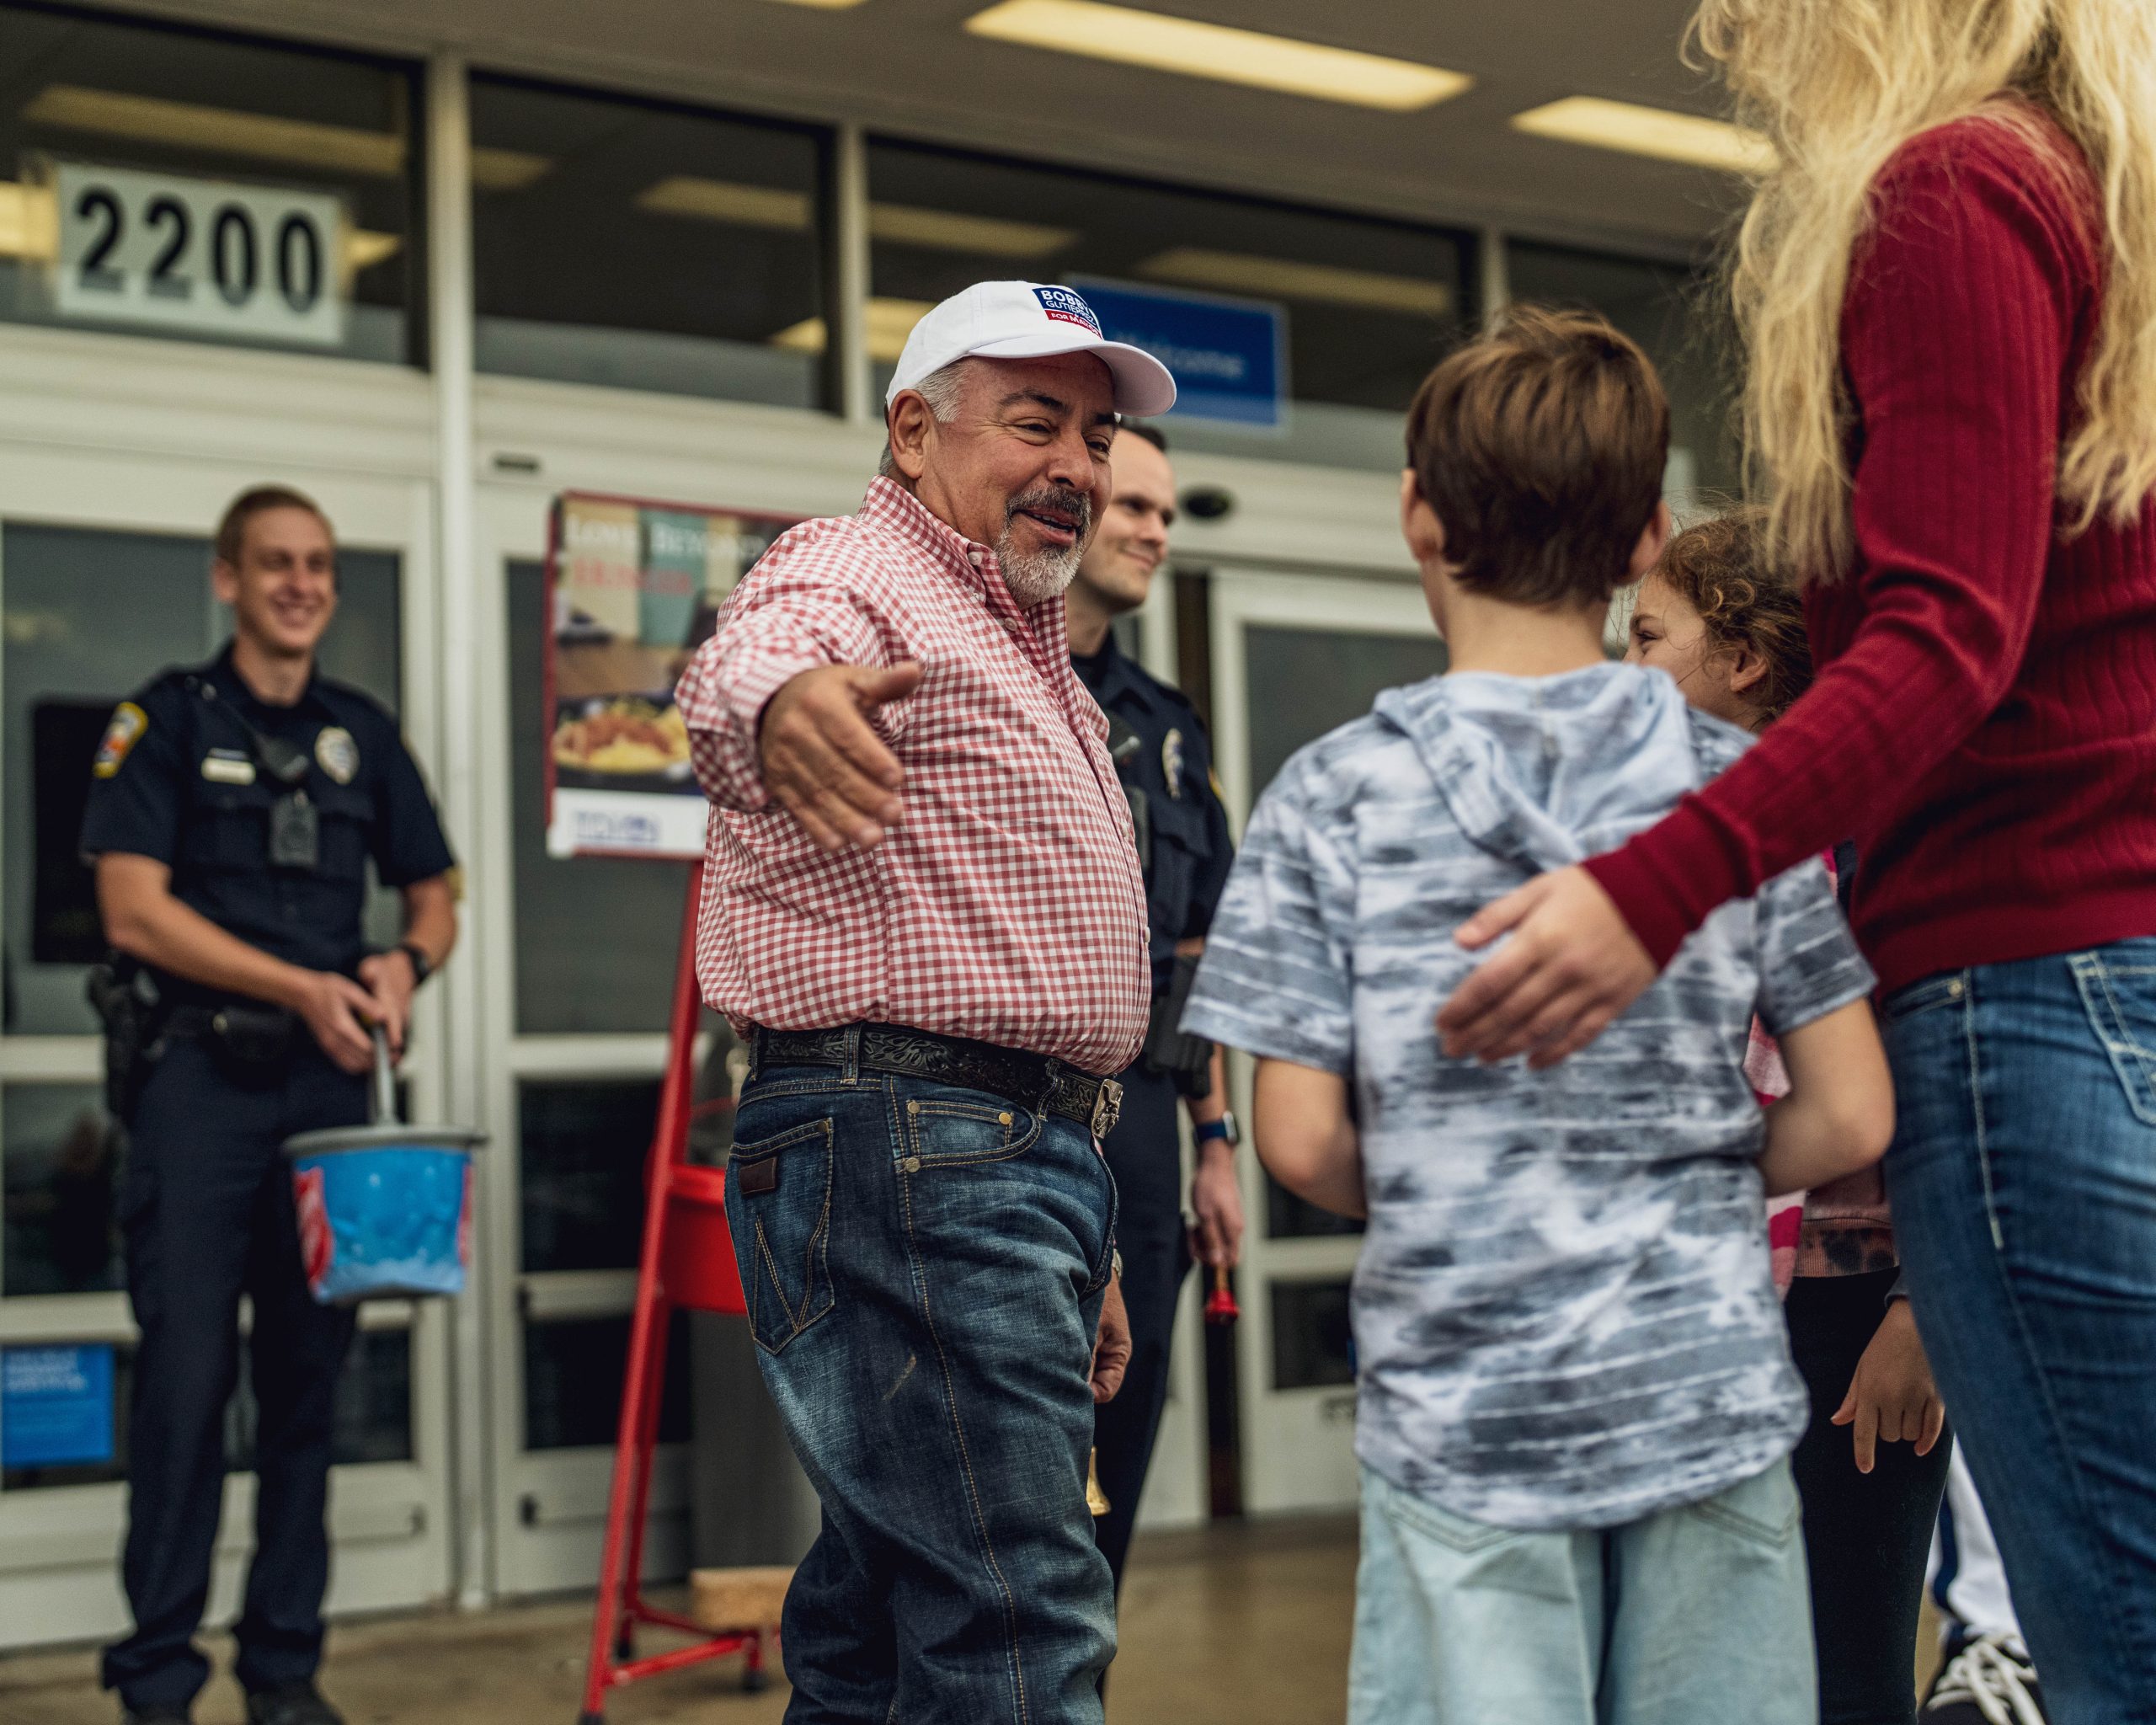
[[1564, 1314]]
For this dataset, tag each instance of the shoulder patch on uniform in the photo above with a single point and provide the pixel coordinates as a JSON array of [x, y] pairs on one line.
[[128, 722], [338, 753], [1171, 762]]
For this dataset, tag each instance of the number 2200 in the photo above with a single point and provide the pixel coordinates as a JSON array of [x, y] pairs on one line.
[[234, 250]]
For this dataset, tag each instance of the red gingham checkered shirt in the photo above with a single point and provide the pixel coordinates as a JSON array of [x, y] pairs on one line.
[[1008, 905]]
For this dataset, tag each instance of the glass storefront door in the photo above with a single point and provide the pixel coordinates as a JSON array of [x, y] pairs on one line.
[[103, 582], [1293, 657]]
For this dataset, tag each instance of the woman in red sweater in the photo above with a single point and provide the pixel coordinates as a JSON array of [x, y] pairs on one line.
[[1948, 291]]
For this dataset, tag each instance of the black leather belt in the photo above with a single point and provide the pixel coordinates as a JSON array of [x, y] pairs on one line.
[[1036, 1082]]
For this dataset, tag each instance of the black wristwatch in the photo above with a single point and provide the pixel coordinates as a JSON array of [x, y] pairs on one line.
[[1224, 1129], [422, 966]]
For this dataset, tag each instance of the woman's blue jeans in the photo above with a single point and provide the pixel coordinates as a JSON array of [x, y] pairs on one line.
[[924, 1267], [2023, 1175]]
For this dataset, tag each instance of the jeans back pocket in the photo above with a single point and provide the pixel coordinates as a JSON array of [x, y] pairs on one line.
[[2121, 1000], [780, 1207]]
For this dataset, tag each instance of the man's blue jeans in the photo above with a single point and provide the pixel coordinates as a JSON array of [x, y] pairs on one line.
[[925, 1267], [2023, 1175]]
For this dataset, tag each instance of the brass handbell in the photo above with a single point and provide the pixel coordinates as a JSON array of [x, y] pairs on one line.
[[1096, 1500]]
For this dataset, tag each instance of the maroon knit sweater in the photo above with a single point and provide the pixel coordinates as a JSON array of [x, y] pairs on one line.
[[1984, 721]]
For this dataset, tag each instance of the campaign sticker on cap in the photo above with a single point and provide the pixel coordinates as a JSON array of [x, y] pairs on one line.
[[128, 722], [338, 753], [1065, 306]]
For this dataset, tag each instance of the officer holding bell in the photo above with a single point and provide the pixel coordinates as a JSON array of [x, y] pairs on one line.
[[234, 809], [1162, 753]]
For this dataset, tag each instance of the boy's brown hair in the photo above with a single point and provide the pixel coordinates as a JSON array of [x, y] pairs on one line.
[[1540, 447], [1720, 569]]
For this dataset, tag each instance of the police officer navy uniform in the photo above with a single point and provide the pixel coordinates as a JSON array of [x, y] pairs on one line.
[[233, 813], [1165, 760]]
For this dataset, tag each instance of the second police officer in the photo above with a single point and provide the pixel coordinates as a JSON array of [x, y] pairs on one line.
[[1165, 763], [233, 810]]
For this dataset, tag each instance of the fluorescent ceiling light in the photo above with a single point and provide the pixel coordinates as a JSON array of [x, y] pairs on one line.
[[947, 231], [343, 149], [494, 170], [1660, 132], [726, 200], [363, 249], [890, 322], [1236, 56], [29, 222], [903, 224], [1280, 278]]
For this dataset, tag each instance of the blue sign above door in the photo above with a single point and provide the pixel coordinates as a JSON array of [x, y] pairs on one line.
[[1228, 355], [55, 1406]]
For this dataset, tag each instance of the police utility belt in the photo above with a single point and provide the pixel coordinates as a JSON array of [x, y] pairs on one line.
[[249, 1042], [1037, 1083]]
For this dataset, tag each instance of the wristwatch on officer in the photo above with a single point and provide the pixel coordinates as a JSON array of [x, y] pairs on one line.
[[1224, 1129], [422, 966]]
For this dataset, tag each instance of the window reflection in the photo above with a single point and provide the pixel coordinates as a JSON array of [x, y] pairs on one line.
[[60, 1155], [645, 247], [1678, 317], [1370, 305], [1313, 1340], [581, 1157], [573, 1371]]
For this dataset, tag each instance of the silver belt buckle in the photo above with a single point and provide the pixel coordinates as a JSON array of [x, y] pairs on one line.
[[1108, 1108]]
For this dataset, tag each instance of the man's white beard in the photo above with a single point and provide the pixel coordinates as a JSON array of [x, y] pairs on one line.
[[1035, 577]]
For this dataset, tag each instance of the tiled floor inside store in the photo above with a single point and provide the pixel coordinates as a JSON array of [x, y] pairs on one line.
[[1237, 1625]]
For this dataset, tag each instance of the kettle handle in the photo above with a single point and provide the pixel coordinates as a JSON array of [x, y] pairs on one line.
[[385, 1081]]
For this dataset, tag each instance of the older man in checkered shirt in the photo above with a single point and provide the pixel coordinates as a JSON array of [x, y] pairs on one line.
[[923, 905]]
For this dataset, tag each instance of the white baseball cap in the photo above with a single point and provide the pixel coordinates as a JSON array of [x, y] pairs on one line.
[[1029, 320]]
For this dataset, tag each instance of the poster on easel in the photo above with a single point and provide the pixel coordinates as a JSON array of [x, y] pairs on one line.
[[633, 588]]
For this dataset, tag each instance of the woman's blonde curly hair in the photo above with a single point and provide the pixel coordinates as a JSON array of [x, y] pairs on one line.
[[1720, 569]]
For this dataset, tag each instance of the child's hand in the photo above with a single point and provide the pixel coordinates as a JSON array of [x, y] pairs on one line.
[[1891, 1396]]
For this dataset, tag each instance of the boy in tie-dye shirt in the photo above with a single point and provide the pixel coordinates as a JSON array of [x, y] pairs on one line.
[[1574, 1396]]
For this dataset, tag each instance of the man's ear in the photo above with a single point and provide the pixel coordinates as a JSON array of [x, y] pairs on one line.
[[911, 423], [224, 581], [1419, 525], [1654, 540]]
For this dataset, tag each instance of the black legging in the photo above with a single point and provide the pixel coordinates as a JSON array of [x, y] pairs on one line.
[[1867, 1535]]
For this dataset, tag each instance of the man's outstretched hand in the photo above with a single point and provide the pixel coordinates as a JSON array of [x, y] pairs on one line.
[[822, 760], [1572, 965]]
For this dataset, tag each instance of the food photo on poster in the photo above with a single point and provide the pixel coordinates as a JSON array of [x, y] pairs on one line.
[[634, 587]]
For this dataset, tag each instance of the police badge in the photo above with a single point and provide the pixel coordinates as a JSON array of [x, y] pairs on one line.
[[338, 753], [1171, 762]]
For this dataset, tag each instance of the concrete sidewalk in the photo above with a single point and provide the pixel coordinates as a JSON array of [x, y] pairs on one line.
[[1236, 1625]]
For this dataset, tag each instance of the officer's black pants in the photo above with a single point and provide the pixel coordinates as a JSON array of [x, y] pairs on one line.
[[1143, 1156], [206, 1209]]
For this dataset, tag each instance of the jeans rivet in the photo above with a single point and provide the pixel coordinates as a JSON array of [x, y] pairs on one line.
[[1003, 1120], [912, 1107], [912, 1165], [1954, 990]]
